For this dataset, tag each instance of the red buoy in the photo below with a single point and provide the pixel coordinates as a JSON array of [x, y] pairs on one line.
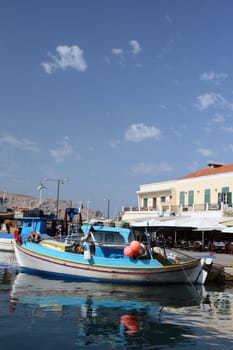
[[135, 246], [128, 251]]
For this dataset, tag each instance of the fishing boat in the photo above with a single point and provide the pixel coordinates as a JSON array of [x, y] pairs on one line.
[[108, 254]]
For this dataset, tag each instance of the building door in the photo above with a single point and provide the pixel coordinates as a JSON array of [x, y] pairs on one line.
[[154, 204]]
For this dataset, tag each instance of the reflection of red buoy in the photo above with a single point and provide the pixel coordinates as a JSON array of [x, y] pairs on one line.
[[135, 246], [131, 323], [128, 251]]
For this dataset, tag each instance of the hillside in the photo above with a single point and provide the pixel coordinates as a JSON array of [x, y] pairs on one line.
[[20, 201]]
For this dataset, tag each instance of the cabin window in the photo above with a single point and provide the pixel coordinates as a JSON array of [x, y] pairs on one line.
[[99, 236], [109, 238]]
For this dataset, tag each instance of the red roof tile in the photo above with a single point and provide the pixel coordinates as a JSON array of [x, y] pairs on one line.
[[212, 169]]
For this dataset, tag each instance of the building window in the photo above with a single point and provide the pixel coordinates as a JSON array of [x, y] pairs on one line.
[[225, 189], [190, 198], [163, 199], [225, 196]]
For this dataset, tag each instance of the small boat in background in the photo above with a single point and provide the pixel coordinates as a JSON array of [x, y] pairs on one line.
[[27, 224], [7, 225], [5, 213]]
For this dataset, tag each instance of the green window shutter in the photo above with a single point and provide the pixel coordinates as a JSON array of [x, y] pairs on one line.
[[229, 198], [145, 202], [190, 198], [182, 198], [207, 196]]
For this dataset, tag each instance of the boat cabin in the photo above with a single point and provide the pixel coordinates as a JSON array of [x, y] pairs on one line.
[[108, 241], [42, 225]]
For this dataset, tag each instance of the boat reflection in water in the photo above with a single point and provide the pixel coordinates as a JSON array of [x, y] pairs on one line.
[[104, 314]]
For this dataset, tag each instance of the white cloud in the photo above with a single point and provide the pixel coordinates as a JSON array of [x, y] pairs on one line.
[[142, 168], [140, 132], [206, 152], [23, 144], [113, 143], [218, 118], [146, 168], [67, 57], [136, 48], [119, 55], [117, 52], [206, 100], [168, 19], [227, 129], [212, 99], [62, 151], [212, 76]]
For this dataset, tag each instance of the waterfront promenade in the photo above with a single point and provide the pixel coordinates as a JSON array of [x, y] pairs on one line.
[[220, 259], [222, 263]]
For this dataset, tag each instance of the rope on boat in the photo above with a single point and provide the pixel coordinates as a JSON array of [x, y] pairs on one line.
[[188, 278]]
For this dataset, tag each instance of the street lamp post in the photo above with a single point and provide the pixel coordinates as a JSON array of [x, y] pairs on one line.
[[108, 206], [88, 206], [59, 181], [40, 188]]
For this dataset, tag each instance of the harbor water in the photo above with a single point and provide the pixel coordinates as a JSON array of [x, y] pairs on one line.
[[41, 313]]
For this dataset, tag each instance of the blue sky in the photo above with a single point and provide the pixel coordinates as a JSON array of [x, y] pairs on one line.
[[112, 94]]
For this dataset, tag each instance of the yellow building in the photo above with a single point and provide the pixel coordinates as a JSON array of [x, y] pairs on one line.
[[208, 189]]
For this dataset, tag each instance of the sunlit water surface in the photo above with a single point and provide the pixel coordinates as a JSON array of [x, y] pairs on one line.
[[41, 313]]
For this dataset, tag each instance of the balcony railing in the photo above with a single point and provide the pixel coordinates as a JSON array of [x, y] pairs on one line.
[[173, 209]]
